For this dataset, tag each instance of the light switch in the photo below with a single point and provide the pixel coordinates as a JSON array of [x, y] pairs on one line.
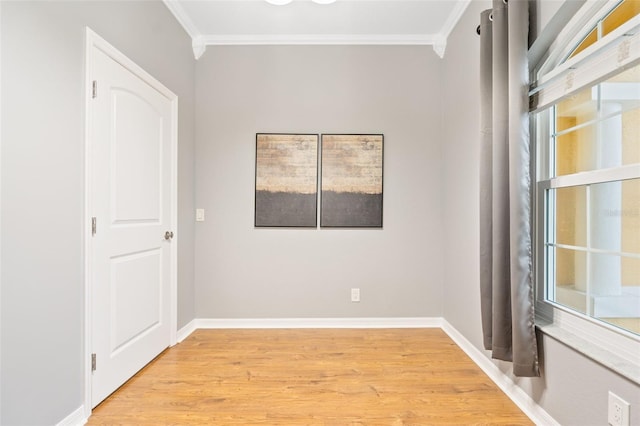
[[199, 215]]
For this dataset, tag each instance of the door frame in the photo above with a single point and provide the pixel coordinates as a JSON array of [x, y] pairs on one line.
[[94, 42]]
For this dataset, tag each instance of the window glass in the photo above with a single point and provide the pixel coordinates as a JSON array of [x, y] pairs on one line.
[[630, 222], [611, 108], [576, 110], [591, 38], [570, 281], [594, 248], [571, 216], [625, 10], [621, 14]]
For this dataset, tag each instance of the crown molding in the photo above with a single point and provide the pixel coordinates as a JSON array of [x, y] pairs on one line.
[[200, 41], [182, 17], [454, 17]]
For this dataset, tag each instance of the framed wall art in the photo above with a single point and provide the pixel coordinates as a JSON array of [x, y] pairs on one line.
[[351, 181], [286, 180]]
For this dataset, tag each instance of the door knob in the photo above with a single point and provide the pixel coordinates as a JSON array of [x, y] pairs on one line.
[[168, 235]]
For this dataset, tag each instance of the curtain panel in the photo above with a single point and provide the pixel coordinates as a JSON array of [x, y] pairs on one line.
[[506, 279]]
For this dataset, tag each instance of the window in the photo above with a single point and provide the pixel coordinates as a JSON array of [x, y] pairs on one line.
[[587, 136]]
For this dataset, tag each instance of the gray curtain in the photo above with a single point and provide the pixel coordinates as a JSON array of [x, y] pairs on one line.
[[506, 282]]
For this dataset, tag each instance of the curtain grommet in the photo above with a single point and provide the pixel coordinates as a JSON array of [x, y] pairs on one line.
[[478, 30], [491, 17]]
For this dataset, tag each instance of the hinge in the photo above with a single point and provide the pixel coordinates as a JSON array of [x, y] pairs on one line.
[[94, 226], [94, 89], [93, 362]]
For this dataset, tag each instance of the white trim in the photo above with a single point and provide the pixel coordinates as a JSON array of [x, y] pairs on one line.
[[530, 407], [438, 41], [93, 40], [265, 323], [630, 171], [199, 46], [99, 43], [86, 225], [593, 250], [173, 285], [550, 33], [592, 338], [275, 323], [186, 331], [439, 46], [182, 17], [77, 418], [320, 39], [200, 42], [583, 20], [618, 50], [453, 18]]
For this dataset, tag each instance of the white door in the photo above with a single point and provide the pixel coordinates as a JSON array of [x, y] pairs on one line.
[[130, 143]]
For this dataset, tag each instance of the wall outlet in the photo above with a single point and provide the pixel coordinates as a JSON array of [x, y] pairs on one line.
[[355, 294], [199, 215], [618, 412]]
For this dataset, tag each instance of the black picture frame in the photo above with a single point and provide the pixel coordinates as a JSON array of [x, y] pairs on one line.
[[351, 194], [286, 185]]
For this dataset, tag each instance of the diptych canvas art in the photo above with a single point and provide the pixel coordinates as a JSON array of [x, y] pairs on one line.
[[287, 180]]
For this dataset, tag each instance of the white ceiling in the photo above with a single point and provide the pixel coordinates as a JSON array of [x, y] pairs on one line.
[[375, 22]]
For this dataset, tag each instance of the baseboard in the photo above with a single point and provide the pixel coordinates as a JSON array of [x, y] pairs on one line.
[[413, 322], [531, 408], [76, 418], [185, 331], [230, 323]]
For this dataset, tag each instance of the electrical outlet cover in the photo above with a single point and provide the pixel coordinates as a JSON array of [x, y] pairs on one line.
[[618, 411], [355, 294]]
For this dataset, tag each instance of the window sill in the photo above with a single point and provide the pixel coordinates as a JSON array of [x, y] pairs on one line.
[[591, 350]]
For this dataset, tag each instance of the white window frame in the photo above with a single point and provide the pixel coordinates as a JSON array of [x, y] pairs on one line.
[[611, 346]]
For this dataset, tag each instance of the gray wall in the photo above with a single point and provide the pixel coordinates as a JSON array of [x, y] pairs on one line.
[[243, 272], [574, 388], [42, 186]]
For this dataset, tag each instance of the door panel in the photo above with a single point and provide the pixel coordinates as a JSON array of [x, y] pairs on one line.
[[130, 141], [137, 146], [136, 296]]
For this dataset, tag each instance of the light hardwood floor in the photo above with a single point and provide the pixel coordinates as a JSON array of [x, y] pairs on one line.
[[311, 377]]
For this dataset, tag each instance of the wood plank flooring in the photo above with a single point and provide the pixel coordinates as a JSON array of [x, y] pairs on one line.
[[311, 377]]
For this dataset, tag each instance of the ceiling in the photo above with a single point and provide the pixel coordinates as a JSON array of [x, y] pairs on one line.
[[373, 22]]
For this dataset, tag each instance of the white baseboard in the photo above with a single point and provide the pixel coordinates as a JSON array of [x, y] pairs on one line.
[[264, 323], [417, 322], [76, 418], [531, 408], [185, 331]]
